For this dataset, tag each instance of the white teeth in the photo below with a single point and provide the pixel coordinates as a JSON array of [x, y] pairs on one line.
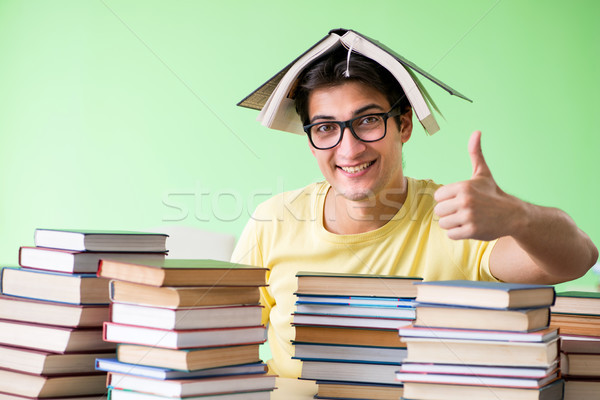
[[358, 168]]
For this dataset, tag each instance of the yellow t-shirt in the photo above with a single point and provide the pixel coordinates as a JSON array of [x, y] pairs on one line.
[[286, 235]]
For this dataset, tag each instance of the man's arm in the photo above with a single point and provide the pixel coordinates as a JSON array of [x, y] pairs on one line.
[[535, 244]]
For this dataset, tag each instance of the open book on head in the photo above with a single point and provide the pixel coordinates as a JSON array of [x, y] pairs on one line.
[[275, 98]]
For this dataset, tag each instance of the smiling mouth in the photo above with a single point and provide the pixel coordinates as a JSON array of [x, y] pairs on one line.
[[357, 168]]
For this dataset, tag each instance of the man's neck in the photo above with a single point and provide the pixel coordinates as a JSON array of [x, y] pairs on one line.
[[345, 217]]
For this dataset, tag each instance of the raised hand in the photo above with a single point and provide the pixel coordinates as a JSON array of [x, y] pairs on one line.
[[476, 208]]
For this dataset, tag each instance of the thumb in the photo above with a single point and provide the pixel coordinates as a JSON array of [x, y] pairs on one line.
[[480, 167]]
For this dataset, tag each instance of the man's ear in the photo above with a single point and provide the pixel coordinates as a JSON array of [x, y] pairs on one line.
[[407, 126]]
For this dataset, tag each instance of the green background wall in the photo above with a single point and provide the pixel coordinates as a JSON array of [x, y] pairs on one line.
[[121, 114]]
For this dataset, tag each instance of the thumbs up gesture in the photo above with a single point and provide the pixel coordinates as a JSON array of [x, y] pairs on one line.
[[476, 208]]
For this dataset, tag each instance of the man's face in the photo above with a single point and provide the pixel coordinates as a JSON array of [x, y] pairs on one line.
[[355, 169]]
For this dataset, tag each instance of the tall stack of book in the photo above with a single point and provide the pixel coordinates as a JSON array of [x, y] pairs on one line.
[[577, 315], [481, 340], [347, 332], [185, 328], [52, 310]]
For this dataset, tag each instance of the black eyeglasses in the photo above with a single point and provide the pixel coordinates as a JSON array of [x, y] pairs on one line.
[[366, 128]]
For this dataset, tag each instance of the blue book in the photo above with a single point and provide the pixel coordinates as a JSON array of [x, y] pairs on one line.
[[485, 294]]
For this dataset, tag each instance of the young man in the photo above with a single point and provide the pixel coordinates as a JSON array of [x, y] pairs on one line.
[[367, 217]]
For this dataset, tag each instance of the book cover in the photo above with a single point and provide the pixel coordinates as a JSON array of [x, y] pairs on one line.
[[31, 385], [369, 354], [118, 394]]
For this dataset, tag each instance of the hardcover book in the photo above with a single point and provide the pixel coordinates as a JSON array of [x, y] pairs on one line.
[[114, 365], [52, 313], [180, 272], [100, 240], [175, 297], [437, 391], [275, 98], [356, 285], [41, 386], [193, 386], [52, 338], [481, 352], [577, 302], [518, 320], [54, 286], [183, 339], [485, 294], [117, 394], [76, 262], [188, 359], [186, 317], [47, 363]]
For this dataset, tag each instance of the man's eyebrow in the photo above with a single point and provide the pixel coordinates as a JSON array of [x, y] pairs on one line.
[[356, 113]]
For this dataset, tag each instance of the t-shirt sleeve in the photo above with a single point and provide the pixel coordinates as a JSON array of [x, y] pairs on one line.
[[248, 251]]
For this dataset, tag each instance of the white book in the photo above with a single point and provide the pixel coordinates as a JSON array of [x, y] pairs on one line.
[[274, 97]]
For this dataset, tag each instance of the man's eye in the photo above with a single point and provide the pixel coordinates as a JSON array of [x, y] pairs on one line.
[[369, 120], [326, 128]]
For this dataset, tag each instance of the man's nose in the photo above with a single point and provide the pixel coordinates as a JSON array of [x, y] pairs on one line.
[[349, 146]]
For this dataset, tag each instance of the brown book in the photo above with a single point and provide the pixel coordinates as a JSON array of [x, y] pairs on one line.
[[573, 324], [348, 336], [173, 297], [581, 389], [179, 272], [52, 313], [52, 338], [580, 344], [47, 363], [188, 359], [580, 365], [352, 390], [335, 284], [521, 320], [481, 352], [436, 391], [54, 286], [41, 386]]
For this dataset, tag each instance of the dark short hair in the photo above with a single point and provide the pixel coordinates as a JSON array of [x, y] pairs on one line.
[[330, 70]]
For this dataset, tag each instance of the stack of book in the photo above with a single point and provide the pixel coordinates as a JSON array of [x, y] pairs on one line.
[[52, 310], [481, 340], [185, 328], [347, 332], [577, 315]]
